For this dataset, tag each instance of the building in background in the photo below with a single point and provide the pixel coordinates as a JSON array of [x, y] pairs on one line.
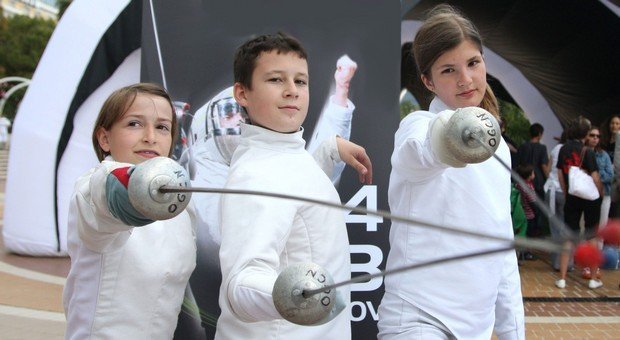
[[46, 9]]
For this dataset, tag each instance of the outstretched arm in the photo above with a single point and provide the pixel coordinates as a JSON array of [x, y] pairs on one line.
[[92, 208]]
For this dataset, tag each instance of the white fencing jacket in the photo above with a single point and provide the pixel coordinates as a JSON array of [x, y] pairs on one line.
[[261, 236], [212, 170], [467, 296], [124, 282]]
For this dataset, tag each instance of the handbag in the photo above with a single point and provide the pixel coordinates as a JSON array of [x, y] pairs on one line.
[[581, 184]]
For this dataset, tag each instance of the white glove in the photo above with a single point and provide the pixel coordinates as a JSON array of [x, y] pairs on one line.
[[438, 137], [465, 136]]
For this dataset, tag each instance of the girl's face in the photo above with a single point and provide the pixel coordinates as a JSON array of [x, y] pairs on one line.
[[614, 125], [459, 76], [594, 137], [143, 132]]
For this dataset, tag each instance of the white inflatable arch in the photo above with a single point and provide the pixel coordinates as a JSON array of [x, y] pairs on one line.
[[83, 63]]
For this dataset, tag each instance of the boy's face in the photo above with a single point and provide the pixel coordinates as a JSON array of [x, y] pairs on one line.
[[143, 132], [279, 96]]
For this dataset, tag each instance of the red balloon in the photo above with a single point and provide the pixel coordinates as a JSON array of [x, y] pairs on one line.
[[610, 233], [588, 255]]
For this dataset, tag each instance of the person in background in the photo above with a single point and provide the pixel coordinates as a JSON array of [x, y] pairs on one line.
[[608, 135], [609, 130], [535, 153], [512, 146], [526, 171], [574, 153], [554, 198], [527, 196], [606, 171], [519, 220]]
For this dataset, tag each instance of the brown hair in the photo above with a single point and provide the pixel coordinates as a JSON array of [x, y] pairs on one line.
[[525, 170], [246, 54], [606, 135], [117, 104], [578, 128], [444, 29]]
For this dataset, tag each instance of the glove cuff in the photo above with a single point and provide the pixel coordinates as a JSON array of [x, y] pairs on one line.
[[438, 137], [118, 198]]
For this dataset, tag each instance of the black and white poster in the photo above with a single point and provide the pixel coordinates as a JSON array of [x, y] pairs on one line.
[[354, 64]]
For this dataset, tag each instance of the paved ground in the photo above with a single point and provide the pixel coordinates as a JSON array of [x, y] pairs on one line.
[[31, 306], [576, 312]]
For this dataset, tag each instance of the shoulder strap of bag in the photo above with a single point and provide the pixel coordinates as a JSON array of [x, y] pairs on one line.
[[583, 153]]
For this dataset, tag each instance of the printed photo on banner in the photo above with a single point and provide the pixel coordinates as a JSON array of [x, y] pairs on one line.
[[353, 59]]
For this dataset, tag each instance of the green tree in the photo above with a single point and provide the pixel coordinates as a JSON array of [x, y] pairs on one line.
[[406, 107], [22, 41], [62, 7], [517, 125]]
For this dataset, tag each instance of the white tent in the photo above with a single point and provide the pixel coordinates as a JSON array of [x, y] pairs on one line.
[[39, 181]]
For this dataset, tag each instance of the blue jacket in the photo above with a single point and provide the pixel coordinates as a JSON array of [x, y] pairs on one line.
[[605, 169]]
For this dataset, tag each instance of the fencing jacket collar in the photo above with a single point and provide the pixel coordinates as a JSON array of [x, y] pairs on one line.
[[272, 140]]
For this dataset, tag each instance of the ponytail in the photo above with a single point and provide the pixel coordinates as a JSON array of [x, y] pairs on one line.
[[489, 102]]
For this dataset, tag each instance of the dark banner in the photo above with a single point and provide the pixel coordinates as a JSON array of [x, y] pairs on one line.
[[354, 65]]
